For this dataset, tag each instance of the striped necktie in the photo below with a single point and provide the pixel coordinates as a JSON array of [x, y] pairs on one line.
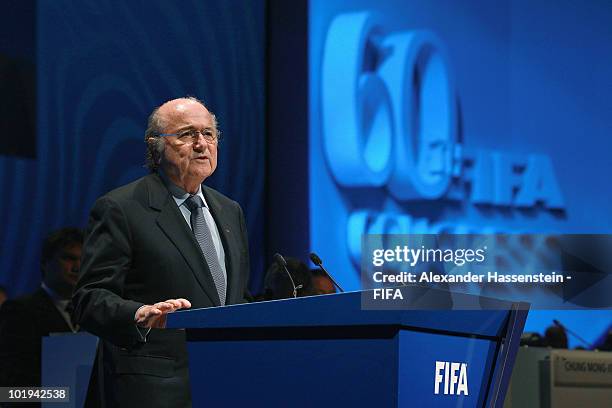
[[203, 236]]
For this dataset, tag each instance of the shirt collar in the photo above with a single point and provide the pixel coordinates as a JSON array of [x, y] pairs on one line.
[[178, 193], [55, 297]]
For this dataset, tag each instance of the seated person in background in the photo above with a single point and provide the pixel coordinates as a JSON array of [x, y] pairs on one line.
[[321, 283], [24, 320], [277, 284], [607, 343], [3, 295], [556, 337]]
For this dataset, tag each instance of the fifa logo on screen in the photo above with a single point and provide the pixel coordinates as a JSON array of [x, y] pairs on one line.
[[450, 378], [390, 119]]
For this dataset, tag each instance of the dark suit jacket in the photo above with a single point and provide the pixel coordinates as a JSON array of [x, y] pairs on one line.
[[139, 250], [23, 322]]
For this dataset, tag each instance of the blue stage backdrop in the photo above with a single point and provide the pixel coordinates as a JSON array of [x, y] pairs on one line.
[[460, 117], [102, 66]]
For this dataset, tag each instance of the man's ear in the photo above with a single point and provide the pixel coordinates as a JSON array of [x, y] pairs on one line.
[[154, 143], [157, 146]]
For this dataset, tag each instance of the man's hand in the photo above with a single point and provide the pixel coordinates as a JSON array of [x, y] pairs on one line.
[[154, 316]]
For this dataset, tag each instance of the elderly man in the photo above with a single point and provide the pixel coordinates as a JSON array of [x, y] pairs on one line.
[[159, 244]]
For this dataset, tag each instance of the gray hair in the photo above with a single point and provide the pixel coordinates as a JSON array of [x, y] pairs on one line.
[[155, 144]]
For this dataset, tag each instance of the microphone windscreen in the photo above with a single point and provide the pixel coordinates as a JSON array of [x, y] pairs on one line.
[[279, 259], [315, 259]]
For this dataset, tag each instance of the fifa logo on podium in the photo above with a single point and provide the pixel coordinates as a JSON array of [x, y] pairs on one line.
[[450, 378]]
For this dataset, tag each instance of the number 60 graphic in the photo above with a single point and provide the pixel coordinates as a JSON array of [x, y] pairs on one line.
[[389, 112]]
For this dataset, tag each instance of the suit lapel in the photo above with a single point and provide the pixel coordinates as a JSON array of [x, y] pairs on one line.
[[172, 223], [52, 318]]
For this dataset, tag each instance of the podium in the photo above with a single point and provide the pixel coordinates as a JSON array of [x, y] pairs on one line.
[[559, 378], [330, 351], [67, 361]]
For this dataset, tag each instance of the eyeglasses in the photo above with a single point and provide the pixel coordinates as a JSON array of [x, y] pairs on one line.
[[191, 136]]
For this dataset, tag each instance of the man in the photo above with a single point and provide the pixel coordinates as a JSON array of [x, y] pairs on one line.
[[277, 284], [321, 283], [24, 320], [159, 244], [3, 295], [556, 337]]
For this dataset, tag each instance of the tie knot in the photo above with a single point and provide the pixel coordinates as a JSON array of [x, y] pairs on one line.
[[194, 202]]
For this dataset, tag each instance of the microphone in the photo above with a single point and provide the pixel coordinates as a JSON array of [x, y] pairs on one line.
[[582, 340], [278, 258], [317, 261]]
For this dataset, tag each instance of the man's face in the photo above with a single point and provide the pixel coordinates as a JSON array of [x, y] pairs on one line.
[[323, 286], [62, 271], [188, 158]]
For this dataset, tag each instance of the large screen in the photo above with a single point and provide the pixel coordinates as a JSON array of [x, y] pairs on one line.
[[442, 117]]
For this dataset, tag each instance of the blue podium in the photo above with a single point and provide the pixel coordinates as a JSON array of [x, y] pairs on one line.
[[329, 350]]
